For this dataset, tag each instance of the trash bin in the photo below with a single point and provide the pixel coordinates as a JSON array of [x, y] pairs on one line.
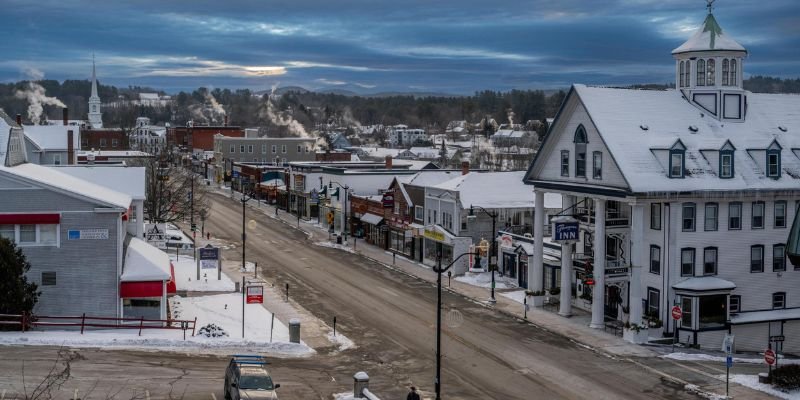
[[236, 286], [338, 239], [294, 330]]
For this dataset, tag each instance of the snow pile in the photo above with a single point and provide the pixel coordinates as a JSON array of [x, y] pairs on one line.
[[186, 277], [484, 279], [249, 266], [341, 341], [751, 381], [212, 330], [721, 359], [332, 245], [691, 388], [517, 295], [344, 396]]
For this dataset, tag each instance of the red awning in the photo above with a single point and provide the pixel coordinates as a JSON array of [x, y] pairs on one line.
[[141, 289], [30, 218], [171, 288]]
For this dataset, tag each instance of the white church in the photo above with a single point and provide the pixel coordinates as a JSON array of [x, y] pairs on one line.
[[684, 197]]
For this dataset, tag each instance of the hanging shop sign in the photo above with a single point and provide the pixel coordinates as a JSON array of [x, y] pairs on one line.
[[388, 200], [565, 229]]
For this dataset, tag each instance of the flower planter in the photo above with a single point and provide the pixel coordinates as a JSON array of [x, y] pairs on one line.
[[536, 301], [634, 336], [655, 332]]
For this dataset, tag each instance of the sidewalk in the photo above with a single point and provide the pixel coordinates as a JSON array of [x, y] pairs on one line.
[[575, 328]]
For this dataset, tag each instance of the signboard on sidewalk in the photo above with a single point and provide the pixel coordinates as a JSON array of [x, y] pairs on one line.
[[209, 257], [255, 294]]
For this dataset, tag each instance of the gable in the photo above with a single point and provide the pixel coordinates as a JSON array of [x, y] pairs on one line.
[[561, 137]]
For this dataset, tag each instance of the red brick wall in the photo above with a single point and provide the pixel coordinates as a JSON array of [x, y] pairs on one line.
[[91, 139]]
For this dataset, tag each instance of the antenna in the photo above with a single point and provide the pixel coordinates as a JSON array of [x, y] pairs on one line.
[[710, 5]]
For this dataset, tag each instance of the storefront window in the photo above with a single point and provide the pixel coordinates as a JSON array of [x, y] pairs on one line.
[[713, 310], [138, 308], [686, 308], [7, 231], [27, 233]]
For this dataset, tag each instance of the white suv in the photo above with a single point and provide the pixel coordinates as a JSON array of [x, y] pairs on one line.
[[247, 378]]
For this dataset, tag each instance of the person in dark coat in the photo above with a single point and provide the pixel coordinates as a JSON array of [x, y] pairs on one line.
[[413, 395]]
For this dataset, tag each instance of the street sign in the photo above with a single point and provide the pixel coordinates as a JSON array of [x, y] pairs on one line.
[[769, 357], [729, 362], [777, 338], [255, 294], [677, 313], [727, 344]]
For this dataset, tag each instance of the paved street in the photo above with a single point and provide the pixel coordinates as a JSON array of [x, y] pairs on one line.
[[391, 318]]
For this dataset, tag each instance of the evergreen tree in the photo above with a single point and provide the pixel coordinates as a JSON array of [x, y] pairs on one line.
[[19, 295]]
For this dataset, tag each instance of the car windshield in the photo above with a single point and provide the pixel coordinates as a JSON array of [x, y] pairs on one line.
[[255, 382]]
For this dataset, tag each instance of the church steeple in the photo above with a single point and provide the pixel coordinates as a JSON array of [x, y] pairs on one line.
[[95, 116]]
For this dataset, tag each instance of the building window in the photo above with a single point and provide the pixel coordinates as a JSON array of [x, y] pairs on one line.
[[56, 159], [701, 72], [774, 163], [233, 148], [419, 213], [299, 149], [758, 215], [733, 73], [580, 151], [780, 214], [713, 310], [48, 278], [757, 258], [241, 149], [688, 75], [103, 142], [725, 71], [274, 149], [653, 302], [726, 164], [564, 162], [250, 148], [735, 303], [283, 149], [655, 260], [710, 261], [676, 163], [711, 78], [597, 165], [711, 216], [263, 149], [655, 216], [779, 257], [688, 217], [779, 300], [8, 232], [114, 142], [680, 74], [27, 233], [687, 262], [734, 216], [686, 316]]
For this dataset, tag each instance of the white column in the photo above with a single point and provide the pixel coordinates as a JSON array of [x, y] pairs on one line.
[[565, 300], [140, 219], [637, 263], [598, 296], [536, 274]]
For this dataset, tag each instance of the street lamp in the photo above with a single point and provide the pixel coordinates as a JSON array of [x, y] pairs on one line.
[[492, 248], [439, 270], [344, 207]]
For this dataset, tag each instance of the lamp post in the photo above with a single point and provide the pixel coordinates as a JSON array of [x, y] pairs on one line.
[[492, 247], [438, 269], [344, 207], [244, 200]]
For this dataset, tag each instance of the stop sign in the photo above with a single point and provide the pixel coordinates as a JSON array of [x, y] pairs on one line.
[[676, 313], [769, 357]]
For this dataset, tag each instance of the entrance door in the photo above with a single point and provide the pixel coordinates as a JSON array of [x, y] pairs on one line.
[[612, 301], [522, 280]]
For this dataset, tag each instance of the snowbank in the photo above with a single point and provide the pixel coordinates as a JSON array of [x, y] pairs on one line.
[[341, 341], [517, 295], [484, 279], [721, 359], [751, 381]]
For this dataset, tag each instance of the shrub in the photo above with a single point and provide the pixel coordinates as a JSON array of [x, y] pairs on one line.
[[786, 377], [555, 291]]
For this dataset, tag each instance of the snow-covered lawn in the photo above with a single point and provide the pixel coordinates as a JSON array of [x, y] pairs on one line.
[[223, 310], [484, 279], [721, 359], [186, 277], [751, 381]]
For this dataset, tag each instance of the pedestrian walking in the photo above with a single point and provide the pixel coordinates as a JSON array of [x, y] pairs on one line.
[[208, 235], [413, 395]]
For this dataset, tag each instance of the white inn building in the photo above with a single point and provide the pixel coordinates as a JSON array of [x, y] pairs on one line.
[[684, 197]]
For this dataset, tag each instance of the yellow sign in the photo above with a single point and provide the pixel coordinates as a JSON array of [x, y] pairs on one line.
[[434, 235], [330, 218]]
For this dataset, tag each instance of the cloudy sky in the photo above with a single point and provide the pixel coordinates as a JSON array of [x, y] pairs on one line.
[[446, 46]]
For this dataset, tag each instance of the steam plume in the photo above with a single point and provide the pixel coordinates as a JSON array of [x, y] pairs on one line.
[[35, 94], [216, 108], [280, 118]]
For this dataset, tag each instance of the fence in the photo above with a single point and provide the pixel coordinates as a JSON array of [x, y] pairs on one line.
[[29, 320]]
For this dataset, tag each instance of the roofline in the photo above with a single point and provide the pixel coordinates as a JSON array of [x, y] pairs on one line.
[[71, 193]]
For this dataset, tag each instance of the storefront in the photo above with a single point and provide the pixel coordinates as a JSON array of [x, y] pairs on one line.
[[147, 279], [435, 238]]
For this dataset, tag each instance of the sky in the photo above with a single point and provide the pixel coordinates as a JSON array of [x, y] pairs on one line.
[[375, 46]]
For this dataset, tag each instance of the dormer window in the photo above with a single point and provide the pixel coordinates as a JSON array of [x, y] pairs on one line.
[[580, 151], [726, 161], [677, 155], [725, 72], [774, 160], [701, 72]]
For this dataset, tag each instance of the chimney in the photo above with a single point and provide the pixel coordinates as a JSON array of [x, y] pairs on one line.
[[464, 167], [70, 144], [65, 115], [19, 119], [388, 162], [225, 119]]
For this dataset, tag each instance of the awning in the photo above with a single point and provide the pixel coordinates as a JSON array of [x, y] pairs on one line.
[[141, 289], [704, 284], [372, 219], [29, 218], [145, 263], [755, 317]]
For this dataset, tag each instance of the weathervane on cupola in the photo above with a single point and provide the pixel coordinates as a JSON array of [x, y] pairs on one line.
[[710, 5]]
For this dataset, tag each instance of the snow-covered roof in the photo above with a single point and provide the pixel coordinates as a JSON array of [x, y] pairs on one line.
[[415, 165], [379, 151], [52, 137], [496, 190], [123, 179], [620, 114], [144, 262], [371, 219], [709, 37], [704, 284], [432, 177], [765, 316], [508, 133], [54, 178]]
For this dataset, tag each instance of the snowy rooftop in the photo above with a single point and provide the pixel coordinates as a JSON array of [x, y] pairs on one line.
[[703, 284], [52, 137], [619, 115], [764, 316], [432, 177], [128, 180], [59, 180], [709, 37], [496, 190], [144, 262]]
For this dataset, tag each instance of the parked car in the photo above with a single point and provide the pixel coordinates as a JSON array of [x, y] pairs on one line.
[[247, 377]]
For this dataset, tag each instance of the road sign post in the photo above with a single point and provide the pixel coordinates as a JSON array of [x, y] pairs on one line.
[[727, 346], [677, 313], [769, 357]]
